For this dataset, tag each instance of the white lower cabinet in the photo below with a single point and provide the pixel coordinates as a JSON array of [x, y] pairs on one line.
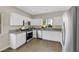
[[52, 35], [39, 34], [34, 34], [48, 35], [17, 39]]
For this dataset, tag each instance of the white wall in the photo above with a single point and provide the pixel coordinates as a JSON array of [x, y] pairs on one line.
[[4, 37], [51, 14], [5, 24]]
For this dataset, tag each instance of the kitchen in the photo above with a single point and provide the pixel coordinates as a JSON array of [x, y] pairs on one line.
[[44, 25], [37, 29]]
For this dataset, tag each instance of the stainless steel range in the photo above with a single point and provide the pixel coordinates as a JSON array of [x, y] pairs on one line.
[[29, 34]]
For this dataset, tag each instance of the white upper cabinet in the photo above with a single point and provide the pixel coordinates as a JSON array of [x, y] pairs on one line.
[[57, 21], [25, 19], [13, 18], [20, 20], [36, 22], [16, 19], [29, 19], [50, 21]]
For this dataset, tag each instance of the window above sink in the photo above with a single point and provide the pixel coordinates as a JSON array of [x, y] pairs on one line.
[[47, 22]]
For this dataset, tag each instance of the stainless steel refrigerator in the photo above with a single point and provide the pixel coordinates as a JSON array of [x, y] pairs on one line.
[[70, 30]]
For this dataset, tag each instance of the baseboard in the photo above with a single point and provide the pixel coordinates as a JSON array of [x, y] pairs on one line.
[[4, 48]]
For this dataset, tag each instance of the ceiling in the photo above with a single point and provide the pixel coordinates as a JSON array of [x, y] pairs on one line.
[[34, 10]]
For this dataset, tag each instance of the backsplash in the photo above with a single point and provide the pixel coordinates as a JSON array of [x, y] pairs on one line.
[[15, 27]]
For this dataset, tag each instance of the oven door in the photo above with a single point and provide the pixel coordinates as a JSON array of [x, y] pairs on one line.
[[29, 35]]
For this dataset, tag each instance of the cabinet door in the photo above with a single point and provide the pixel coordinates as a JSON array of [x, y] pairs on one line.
[[20, 39], [25, 19], [32, 22], [39, 34], [57, 21], [17, 19], [44, 34], [34, 34], [20, 20], [13, 41], [36, 22], [13, 19], [28, 19]]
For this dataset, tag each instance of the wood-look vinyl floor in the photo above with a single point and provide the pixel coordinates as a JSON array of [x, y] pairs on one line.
[[37, 45]]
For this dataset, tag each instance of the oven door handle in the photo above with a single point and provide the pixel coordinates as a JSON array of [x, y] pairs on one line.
[[29, 32]]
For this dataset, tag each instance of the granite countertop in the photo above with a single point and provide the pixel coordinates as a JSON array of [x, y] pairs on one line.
[[16, 31], [49, 29], [53, 28]]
